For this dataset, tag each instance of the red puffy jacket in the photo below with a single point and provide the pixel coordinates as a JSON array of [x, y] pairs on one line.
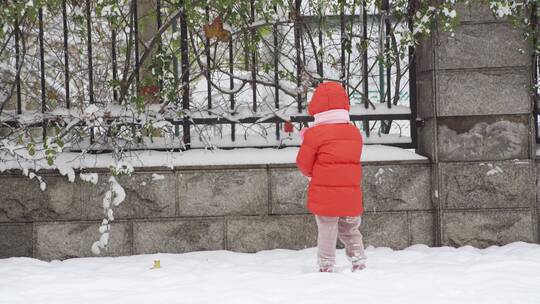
[[330, 155]]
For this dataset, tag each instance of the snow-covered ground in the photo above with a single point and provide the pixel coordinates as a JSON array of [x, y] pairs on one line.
[[508, 274]]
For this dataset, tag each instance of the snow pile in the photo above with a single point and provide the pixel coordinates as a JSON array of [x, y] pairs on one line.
[[89, 177], [419, 274], [32, 175], [113, 197], [157, 177]]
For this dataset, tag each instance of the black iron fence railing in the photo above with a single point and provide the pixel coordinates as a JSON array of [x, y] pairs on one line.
[[238, 89]]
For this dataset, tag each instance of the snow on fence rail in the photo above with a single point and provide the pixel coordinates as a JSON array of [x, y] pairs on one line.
[[133, 74]]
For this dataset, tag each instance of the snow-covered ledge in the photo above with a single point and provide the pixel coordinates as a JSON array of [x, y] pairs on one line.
[[200, 157]]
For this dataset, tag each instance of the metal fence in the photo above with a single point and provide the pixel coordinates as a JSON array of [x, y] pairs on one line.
[[393, 102]]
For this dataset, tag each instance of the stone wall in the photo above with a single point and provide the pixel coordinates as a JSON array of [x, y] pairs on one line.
[[259, 207], [240, 208], [474, 95]]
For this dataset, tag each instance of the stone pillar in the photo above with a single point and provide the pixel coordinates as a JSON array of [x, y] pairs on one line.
[[473, 91]]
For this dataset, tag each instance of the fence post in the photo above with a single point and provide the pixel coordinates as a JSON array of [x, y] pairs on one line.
[[90, 63], [208, 74], [160, 43], [135, 29], [320, 66], [412, 76], [114, 63], [18, 67], [175, 72], [42, 72], [231, 86], [276, 71], [184, 53], [299, 64], [343, 40], [365, 71], [253, 56], [66, 53], [387, 30], [387, 92]]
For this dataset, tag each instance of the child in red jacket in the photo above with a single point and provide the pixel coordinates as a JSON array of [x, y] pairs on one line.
[[330, 156]]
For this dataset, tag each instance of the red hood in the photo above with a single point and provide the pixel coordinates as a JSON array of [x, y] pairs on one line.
[[328, 96]]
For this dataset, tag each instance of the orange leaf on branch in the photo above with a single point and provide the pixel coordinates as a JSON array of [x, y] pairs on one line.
[[215, 30], [151, 90], [52, 95]]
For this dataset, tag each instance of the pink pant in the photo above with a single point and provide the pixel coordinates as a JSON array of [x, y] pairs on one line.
[[346, 228]]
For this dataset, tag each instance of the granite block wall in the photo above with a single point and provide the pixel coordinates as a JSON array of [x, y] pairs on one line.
[[239, 208]]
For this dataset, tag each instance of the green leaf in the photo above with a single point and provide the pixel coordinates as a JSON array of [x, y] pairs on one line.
[[264, 30], [31, 149]]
